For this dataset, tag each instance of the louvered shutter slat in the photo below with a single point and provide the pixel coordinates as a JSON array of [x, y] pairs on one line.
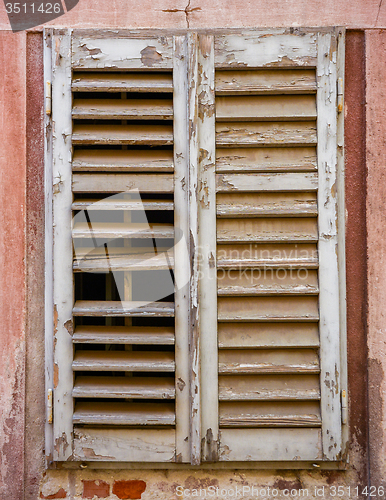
[[121, 109], [124, 387], [136, 82], [124, 335]]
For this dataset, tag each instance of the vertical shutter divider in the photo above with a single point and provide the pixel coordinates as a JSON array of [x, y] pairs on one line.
[[62, 244], [207, 249], [328, 243], [181, 254]]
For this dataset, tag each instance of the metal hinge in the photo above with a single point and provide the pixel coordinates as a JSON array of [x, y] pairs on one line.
[[340, 95], [50, 398], [344, 407], [48, 98]]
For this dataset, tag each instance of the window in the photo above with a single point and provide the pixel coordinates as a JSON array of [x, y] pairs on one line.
[[195, 274]]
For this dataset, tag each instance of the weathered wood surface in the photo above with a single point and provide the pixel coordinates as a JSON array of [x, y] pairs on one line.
[[267, 335], [270, 81], [269, 387], [284, 230], [255, 255], [267, 282], [140, 134], [124, 387], [266, 182], [264, 361], [115, 203], [304, 308], [136, 160], [231, 204], [270, 444], [117, 183], [142, 361], [123, 82], [265, 50], [265, 108], [110, 52], [124, 445], [270, 414], [124, 414], [122, 230], [245, 134], [261, 159], [123, 309], [149, 335], [122, 109]]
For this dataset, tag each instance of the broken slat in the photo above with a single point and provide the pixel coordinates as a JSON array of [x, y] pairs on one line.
[[232, 205], [265, 108], [139, 134], [253, 255], [269, 387], [135, 262], [121, 230], [146, 335], [122, 309], [122, 109], [127, 361], [267, 282], [122, 204], [270, 133], [268, 361], [260, 159], [274, 81], [267, 335], [303, 308], [118, 183], [124, 387], [269, 414], [284, 230], [266, 182], [110, 160], [88, 413], [122, 82]]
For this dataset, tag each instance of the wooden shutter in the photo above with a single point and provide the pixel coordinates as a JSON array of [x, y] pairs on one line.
[[278, 291]]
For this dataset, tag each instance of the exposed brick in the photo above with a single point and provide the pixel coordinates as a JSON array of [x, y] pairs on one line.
[[59, 494], [99, 489], [129, 489]]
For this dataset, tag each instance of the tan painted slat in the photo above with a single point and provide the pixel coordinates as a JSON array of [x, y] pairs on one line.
[[124, 387], [124, 413], [269, 414], [136, 361], [122, 230], [122, 204], [267, 282], [285, 230], [304, 308], [266, 182], [120, 53], [124, 445], [267, 335], [231, 205], [123, 309], [135, 160], [267, 255], [127, 109], [266, 108], [152, 135], [268, 361], [97, 334], [134, 262], [265, 49], [262, 159], [271, 133], [270, 444], [118, 183], [269, 387], [122, 82], [274, 81]]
